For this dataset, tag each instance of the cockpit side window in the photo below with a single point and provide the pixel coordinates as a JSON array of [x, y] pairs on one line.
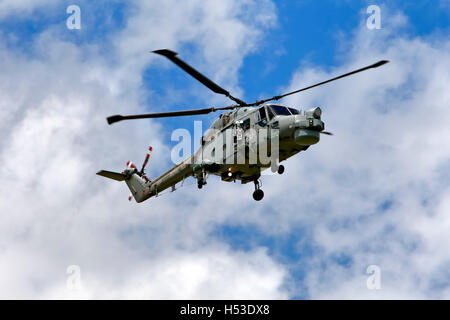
[[270, 113], [226, 117], [246, 124], [262, 114], [294, 111]]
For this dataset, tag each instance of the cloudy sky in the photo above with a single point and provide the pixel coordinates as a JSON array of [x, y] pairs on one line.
[[375, 194]]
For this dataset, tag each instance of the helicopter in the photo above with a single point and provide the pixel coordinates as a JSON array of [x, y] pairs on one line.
[[231, 147]]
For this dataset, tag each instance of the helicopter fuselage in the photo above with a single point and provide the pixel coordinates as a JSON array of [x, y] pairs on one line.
[[245, 132], [239, 145]]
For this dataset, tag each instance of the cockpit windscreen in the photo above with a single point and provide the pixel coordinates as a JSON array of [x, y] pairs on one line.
[[280, 110]]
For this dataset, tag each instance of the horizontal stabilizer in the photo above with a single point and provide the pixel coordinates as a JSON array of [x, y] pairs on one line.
[[112, 175]]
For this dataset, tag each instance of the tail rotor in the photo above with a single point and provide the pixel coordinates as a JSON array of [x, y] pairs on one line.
[[130, 165], [137, 181]]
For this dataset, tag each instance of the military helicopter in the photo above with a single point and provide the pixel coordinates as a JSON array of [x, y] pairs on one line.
[[247, 127]]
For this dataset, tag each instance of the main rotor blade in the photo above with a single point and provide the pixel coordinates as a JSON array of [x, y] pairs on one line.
[[172, 56], [118, 117], [375, 65]]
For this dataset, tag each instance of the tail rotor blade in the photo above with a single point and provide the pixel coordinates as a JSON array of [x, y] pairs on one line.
[[146, 159]]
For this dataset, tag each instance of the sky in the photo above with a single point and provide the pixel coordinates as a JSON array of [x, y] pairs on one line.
[[375, 196]]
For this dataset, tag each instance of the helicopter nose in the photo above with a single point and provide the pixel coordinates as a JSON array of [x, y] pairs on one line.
[[306, 137]]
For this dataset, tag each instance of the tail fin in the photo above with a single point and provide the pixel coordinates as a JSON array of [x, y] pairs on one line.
[[138, 187]]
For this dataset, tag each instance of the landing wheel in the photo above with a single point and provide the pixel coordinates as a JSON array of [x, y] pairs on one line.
[[258, 194], [201, 180], [201, 183], [280, 169]]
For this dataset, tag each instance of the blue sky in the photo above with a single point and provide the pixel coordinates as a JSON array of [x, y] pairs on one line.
[[297, 42], [307, 32]]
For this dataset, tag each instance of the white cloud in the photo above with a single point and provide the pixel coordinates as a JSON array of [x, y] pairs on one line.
[[22, 8], [391, 147], [56, 212], [205, 274], [224, 33]]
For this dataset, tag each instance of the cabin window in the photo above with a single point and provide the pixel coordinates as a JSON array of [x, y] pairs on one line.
[[224, 152], [246, 124]]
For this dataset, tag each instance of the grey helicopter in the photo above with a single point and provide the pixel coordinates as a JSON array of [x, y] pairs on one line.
[[231, 147]]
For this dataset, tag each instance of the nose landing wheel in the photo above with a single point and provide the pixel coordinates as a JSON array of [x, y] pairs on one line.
[[258, 194]]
